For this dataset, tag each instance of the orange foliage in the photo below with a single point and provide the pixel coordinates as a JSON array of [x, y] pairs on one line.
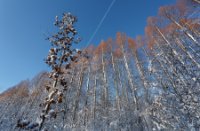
[[98, 51], [120, 39], [148, 31], [21, 91], [195, 26], [132, 44], [109, 41], [110, 44], [151, 43], [90, 49], [35, 93], [103, 46], [163, 10], [174, 11], [190, 23], [150, 28], [118, 53], [183, 21], [139, 41], [170, 28], [168, 11], [8, 94], [152, 21], [181, 6]]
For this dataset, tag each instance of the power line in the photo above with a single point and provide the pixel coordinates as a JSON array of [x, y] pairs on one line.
[[100, 23]]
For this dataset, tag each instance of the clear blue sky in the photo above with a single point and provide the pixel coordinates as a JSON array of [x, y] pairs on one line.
[[23, 24]]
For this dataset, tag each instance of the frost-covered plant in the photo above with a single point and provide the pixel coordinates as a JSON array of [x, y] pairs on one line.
[[62, 54]]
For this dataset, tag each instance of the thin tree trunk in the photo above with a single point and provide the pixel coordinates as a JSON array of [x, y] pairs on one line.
[[191, 48], [87, 93], [173, 68], [121, 85], [188, 53], [141, 73], [115, 82], [94, 99], [174, 52], [105, 81], [130, 78], [76, 104], [196, 32], [179, 96], [65, 108], [162, 68], [185, 31], [197, 1], [72, 78]]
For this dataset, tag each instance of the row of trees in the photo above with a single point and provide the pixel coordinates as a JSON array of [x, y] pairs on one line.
[[148, 83]]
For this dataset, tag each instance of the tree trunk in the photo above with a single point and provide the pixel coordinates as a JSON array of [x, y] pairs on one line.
[[87, 93], [94, 99], [76, 104], [174, 52], [185, 31], [123, 88], [173, 68], [115, 82], [197, 1], [141, 73], [105, 81], [187, 52], [130, 78]]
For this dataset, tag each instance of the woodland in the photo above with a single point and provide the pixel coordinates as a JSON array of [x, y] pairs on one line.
[[147, 83]]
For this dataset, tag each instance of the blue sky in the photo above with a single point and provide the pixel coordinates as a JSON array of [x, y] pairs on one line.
[[24, 23]]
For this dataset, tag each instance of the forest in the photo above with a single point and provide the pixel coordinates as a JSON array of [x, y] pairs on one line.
[[147, 83]]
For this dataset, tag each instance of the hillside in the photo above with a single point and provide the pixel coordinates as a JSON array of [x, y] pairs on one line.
[[146, 83]]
